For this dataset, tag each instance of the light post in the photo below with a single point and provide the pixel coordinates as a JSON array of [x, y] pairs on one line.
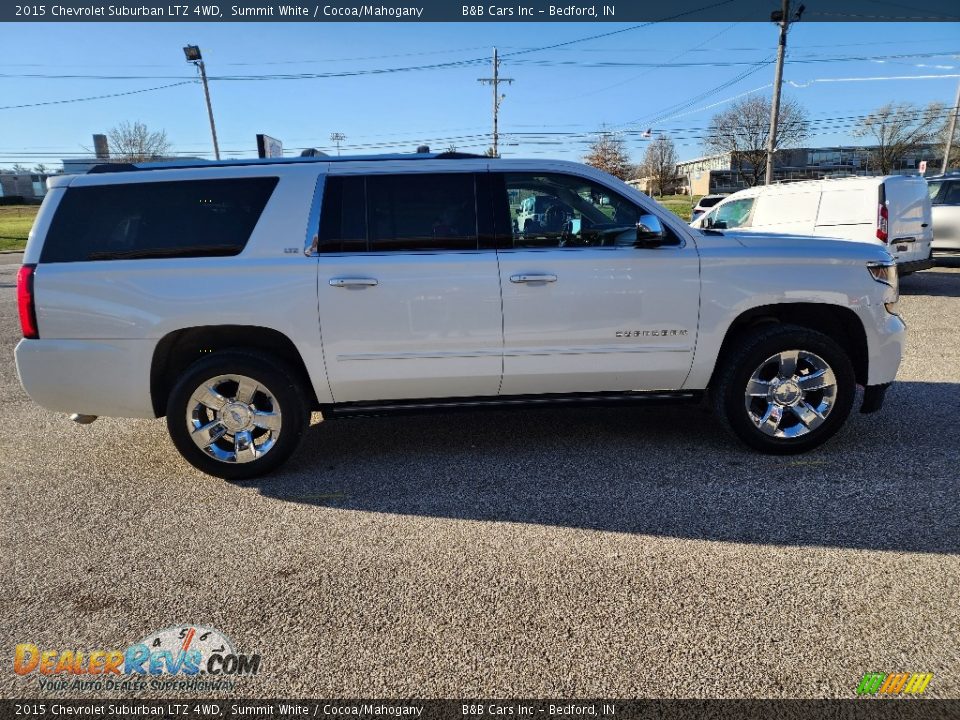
[[192, 54]]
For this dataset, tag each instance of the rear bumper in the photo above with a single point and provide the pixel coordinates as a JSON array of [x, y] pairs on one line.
[[915, 265], [103, 377], [873, 396]]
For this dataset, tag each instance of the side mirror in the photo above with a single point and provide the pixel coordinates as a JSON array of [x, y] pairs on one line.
[[650, 231]]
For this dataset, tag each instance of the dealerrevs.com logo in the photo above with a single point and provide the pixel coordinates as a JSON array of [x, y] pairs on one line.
[[187, 657]]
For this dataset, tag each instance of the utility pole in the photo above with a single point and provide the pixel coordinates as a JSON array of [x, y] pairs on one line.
[[192, 53], [782, 18], [950, 130], [497, 99], [337, 138]]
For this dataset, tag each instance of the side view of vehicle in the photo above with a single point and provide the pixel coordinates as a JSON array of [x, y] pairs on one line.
[[233, 298], [892, 211], [945, 198]]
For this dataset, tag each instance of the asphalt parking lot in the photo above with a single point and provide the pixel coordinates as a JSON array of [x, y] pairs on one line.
[[628, 552]]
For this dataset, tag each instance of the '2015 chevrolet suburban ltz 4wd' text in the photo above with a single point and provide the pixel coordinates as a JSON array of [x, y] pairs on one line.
[[235, 297]]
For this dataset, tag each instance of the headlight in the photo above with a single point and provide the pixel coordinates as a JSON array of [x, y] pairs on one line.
[[886, 273]]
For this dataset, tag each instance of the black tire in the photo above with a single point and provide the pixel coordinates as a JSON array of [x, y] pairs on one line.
[[279, 387], [748, 356]]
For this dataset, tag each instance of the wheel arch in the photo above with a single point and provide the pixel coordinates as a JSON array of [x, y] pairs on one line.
[[179, 349], [840, 324]]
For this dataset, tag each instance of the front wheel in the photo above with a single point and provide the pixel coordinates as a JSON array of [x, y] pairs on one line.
[[785, 389], [237, 414]]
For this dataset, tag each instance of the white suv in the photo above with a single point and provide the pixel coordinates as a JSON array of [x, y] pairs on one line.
[[235, 297]]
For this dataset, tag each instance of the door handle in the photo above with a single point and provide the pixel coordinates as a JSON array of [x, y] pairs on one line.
[[348, 282], [533, 278]]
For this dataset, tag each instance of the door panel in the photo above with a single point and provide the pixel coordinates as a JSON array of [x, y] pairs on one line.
[[614, 319], [429, 327]]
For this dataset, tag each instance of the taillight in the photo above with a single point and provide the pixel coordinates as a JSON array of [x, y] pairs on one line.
[[883, 219], [883, 215], [25, 302]]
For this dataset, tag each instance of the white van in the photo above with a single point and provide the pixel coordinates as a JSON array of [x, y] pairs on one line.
[[892, 211]]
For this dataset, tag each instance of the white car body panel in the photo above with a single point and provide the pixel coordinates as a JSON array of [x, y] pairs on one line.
[[843, 282], [431, 327], [602, 324]]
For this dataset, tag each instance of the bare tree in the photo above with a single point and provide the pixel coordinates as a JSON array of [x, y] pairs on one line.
[[19, 169], [41, 169], [134, 142], [898, 129], [660, 162], [608, 153], [743, 128]]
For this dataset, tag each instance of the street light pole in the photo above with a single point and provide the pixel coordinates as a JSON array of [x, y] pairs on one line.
[[192, 53]]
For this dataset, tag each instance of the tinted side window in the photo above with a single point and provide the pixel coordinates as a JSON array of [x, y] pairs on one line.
[[422, 212], [343, 219], [377, 213], [555, 210], [950, 194], [194, 218]]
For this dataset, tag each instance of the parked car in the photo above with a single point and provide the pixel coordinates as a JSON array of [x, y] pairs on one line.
[[704, 204], [945, 198], [892, 211], [235, 297]]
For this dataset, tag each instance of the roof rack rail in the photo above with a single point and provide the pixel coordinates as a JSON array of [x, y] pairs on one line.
[[186, 164]]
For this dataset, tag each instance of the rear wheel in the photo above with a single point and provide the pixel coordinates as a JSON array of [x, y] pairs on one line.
[[785, 389], [237, 414]]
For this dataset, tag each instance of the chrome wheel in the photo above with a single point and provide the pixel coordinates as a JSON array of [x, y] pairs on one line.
[[233, 418], [790, 394]]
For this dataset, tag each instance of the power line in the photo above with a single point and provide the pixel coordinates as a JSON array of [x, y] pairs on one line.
[[669, 64], [97, 97]]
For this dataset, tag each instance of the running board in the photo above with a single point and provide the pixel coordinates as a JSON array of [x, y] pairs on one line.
[[390, 407]]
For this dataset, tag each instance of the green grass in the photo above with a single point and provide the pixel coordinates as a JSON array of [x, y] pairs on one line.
[[15, 223], [680, 205]]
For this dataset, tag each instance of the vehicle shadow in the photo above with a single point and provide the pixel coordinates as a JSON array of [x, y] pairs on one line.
[[932, 283], [887, 482]]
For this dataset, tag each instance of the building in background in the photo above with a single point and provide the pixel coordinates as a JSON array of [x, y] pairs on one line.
[[718, 173]]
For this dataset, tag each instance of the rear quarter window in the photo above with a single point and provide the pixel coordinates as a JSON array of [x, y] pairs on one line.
[[193, 218]]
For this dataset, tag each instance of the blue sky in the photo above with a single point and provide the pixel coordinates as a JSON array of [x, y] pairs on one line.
[[563, 94]]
